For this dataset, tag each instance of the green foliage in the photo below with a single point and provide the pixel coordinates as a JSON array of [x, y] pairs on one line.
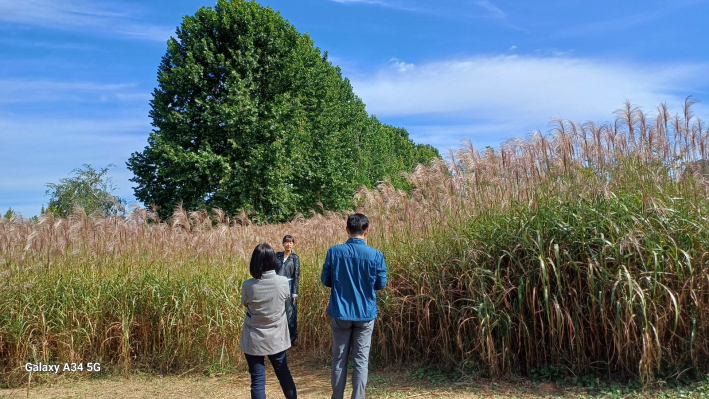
[[608, 262], [435, 374], [10, 214], [548, 373], [385, 151], [248, 114], [88, 188]]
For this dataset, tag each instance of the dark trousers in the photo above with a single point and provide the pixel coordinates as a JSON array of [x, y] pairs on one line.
[[292, 317], [257, 369]]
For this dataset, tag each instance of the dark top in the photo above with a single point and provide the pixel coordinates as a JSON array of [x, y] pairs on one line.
[[291, 270]]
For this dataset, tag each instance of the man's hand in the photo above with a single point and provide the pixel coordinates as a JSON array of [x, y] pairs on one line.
[[295, 299]]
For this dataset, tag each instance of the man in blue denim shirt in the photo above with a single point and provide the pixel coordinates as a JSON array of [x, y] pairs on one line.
[[353, 271]]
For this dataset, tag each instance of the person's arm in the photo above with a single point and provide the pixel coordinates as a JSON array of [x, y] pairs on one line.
[[326, 275], [381, 275], [279, 262], [244, 300], [296, 276], [285, 289]]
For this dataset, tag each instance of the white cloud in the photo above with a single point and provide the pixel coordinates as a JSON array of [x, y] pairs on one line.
[[493, 10], [476, 9], [36, 91], [81, 15], [504, 86], [501, 97], [25, 44], [399, 65]]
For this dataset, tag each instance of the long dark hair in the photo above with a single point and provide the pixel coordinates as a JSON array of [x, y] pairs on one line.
[[263, 259]]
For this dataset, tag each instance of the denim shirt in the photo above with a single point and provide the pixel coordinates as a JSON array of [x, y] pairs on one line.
[[353, 271]]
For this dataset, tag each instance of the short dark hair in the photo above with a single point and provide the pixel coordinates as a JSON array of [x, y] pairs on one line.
[[263, 259], [357, 223], [287, 238]]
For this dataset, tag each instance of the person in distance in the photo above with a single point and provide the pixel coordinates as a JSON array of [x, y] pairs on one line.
[[289, 267]]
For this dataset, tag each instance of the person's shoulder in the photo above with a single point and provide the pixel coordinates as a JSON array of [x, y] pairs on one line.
[[372, 249], [376, 252], [370, 253], [249, 283], [281, 281], [340, 246], [338, 249]]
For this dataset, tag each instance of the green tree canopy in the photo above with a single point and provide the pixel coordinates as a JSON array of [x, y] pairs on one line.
[[248, 114], [89, 188], [10, 214]]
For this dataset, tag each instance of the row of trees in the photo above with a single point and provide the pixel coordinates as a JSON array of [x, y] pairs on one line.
[[249, 114]]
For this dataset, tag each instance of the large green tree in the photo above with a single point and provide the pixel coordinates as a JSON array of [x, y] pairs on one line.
[[248, 114]]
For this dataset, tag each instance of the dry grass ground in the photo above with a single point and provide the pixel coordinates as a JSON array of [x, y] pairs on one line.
[[312, 380]]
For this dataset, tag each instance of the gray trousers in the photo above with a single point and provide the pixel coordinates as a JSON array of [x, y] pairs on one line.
[[356, 335]]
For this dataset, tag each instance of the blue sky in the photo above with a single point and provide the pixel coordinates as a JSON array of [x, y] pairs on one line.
[[76, 76]]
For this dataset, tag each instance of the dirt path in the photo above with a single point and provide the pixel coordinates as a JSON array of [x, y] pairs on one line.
[[312, 381]]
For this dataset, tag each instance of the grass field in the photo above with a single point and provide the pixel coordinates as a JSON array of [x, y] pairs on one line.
[[578, 254]]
